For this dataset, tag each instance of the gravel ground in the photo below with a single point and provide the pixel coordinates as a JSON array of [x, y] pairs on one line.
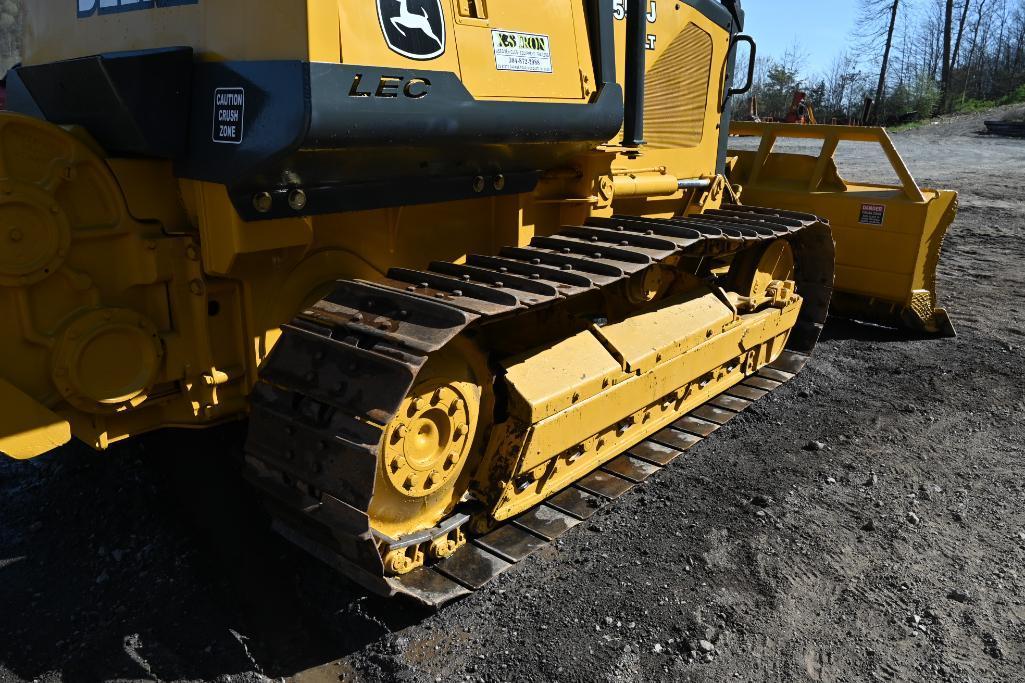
[[897, 552]]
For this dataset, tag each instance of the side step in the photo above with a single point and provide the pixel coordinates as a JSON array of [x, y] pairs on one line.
[[476, 564]]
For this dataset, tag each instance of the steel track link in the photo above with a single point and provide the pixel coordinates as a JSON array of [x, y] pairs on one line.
[[342, 368]]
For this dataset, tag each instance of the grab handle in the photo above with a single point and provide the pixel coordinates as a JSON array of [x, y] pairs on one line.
[[744, 38]]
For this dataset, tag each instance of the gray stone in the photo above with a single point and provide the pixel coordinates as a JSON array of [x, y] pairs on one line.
[[706, 646], [958, 595]]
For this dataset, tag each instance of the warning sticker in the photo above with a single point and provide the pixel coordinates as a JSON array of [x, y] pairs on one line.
[[872, 214], [522, 52], [229, 115]]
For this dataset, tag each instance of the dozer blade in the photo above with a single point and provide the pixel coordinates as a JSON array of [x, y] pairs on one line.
[[888, 237]]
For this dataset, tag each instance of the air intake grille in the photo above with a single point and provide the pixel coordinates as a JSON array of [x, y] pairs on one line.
[[676, 92]]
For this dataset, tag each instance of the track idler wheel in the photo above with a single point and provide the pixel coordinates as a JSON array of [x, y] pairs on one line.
[[429, 452], [765, 276]]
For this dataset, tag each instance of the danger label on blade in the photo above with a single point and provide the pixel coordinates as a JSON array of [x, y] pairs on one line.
[[872, 214], [229, 115], [522, 52]]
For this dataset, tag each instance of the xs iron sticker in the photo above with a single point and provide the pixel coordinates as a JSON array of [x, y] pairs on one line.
[[522, 52]]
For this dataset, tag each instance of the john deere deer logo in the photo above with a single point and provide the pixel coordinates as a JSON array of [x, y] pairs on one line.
[[413, 28]]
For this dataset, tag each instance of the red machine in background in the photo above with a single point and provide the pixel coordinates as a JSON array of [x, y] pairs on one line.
[[801, 110]]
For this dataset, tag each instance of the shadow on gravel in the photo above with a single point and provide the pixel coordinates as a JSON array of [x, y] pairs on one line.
[[155, 561], [848, 329]]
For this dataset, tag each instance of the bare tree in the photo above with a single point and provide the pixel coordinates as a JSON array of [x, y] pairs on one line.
[[881, 89], [927, 57], [960, 31], [877, 22], [948, 29]]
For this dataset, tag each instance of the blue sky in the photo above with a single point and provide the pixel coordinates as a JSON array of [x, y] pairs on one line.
[[822, 27]]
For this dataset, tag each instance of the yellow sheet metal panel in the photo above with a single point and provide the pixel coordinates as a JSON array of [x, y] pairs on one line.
[[561, 432], [528, 50], [363, 40], [28, 428], [675, 325], [552, 379], [220, 29], [322, 22]]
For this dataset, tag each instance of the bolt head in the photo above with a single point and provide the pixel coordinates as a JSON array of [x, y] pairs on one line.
[[297, 200], [263, 202]]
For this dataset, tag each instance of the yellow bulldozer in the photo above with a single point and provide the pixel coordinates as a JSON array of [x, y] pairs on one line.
[[470, 269]]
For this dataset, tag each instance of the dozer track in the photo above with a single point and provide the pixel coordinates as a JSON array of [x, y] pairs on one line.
[[342, 369]]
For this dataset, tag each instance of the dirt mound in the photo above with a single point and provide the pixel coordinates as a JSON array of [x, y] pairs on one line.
[[1015, 114], [970, 125], [966, 125]]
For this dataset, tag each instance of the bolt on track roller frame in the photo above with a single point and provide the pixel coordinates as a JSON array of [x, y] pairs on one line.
[[888, 237]]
